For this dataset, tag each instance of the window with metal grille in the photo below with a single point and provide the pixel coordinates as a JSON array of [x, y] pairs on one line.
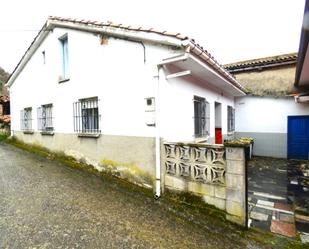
[[45, 118], [230, 119], [201, 117], [86, 116], [26, 119]]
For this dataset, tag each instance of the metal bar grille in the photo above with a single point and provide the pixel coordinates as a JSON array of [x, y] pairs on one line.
[[201, 117], [26, 119], [230, 118], [45, 118], [86, 116]]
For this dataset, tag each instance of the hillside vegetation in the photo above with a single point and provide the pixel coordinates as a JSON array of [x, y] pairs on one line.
[[3, 78]]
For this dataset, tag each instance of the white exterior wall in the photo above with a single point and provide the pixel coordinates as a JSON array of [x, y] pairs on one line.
[[265, 119], [114, 72], [266, 114], [178, 109]]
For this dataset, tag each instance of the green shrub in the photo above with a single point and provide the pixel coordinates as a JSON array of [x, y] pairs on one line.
[[3, 136]]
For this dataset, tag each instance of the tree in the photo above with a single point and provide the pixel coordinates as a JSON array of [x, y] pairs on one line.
[[4, 76]]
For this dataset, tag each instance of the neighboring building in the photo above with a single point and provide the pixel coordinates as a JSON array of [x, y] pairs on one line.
[[106, 93], [269, 113], [302, 69], [4, 112]]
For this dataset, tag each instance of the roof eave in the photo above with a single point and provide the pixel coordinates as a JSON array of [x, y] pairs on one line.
[[303, 45], [119, 32], [194, 49], [304, 42]]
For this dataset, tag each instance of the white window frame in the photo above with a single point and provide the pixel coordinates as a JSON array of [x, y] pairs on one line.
[[230, 119], [201, 117], [64, 52]]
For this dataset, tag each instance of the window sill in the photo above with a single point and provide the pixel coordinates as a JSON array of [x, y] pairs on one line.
[[49, 133], [28, 132], [202, 139], [91, 135], [63, 80]]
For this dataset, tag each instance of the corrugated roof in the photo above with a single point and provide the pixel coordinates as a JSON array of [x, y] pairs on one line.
[[260, 63]]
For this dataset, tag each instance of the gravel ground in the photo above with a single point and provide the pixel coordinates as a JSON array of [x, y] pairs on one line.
[[44, 204]]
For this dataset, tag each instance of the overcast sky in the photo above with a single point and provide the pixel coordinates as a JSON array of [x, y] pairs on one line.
[[231, 30]]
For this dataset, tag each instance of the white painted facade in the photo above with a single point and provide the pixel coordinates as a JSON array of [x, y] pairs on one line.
[[266, 114], [115, 72]]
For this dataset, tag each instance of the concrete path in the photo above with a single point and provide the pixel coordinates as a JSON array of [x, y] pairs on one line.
[[44, 204]]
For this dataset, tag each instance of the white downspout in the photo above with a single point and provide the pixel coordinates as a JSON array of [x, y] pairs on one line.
[[158, 144]]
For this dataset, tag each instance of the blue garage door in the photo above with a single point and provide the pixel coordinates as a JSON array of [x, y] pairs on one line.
[[298, 137]]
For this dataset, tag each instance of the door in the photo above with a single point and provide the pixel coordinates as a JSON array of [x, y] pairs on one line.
[[218, 123], [298, 137]]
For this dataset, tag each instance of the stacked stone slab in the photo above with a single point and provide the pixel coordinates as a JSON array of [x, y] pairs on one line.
[[236, 196]]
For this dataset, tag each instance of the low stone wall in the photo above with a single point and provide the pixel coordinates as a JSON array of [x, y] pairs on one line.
[[214, 172]]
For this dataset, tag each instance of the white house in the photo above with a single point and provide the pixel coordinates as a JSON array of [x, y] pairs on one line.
[[272, 113], [107, 93]]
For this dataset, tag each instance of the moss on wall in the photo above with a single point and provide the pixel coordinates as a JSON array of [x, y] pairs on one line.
[[129, 171]]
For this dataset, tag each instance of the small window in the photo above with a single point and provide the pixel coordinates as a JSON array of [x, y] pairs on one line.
[[64, 58], [201, 117], [45, 118], [149, 101], [230, 119], [86, 116], [6, 108], [44, 57], [26, 119]]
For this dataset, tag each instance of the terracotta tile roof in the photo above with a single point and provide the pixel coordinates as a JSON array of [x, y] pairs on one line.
[[118, 25], [248, 65]]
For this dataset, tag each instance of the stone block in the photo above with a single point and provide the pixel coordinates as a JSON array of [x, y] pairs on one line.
[[217, 202], [259, 216], [236, 219], [220, 192], [235, 153], [234, 181], [174, 182], [201, 188], [286, 229], [235, 208], [235, 167], [235, 195]]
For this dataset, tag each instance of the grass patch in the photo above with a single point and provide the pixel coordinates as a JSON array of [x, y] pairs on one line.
[[3, 136]]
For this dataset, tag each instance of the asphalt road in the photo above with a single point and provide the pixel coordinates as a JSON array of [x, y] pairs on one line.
[[44, 204]]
